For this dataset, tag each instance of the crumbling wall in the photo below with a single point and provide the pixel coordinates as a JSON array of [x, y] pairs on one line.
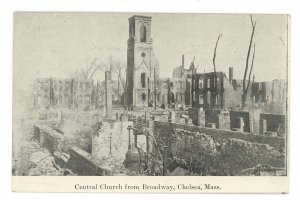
[[49, 138], [275, 123], [197, 116], [219, 118], [219, 152], [224, 120], [235, 120], [212, 117], [76, 135]]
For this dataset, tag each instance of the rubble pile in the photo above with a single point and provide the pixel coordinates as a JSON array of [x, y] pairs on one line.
[[77, 135], [42, 164], [188, 142], [115, 165]]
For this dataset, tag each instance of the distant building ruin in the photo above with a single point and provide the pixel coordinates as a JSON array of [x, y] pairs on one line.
[[214, 90], [268, 91], [63, 93]]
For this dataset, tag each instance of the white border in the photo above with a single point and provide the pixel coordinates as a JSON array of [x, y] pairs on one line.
[[200, 6]]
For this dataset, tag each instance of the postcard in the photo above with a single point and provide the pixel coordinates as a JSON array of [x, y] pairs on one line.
[[150, 102]]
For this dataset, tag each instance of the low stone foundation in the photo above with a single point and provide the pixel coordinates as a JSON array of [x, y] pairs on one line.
[[81, 163]]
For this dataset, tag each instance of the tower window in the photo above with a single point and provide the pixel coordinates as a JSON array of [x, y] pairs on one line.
[[208, 83], [143, 96], [143, 80], [200, 83], [143, 33], [201, 99], [171, 85]]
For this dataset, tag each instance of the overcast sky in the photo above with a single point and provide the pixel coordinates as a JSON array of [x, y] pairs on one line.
[[56, 44]]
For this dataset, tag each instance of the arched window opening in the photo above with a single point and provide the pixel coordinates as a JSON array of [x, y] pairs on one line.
[[143, 96], [143, 80], [143, 33], [201, 99]]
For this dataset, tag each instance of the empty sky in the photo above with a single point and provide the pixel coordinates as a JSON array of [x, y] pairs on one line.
[[55, 44]]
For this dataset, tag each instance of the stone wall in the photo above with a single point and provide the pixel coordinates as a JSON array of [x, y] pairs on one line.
[[81, 163], [219, 152], [49, 138], [70, 134]]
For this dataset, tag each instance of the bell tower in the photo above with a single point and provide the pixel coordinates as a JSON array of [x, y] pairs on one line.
[[141, 63]]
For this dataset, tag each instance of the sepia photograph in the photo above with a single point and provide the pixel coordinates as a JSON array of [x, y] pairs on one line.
[[150, 94]]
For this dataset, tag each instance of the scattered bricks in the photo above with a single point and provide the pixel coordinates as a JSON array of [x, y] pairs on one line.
[[189, 122], [211, 125], [155, 118], [161, 118], [181, 120], [271, 133]]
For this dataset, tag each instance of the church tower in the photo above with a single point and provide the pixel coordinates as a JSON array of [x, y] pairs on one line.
[[141, 63]]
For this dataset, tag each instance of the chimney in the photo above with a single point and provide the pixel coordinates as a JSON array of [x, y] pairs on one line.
[[230, 74], [182, 60]]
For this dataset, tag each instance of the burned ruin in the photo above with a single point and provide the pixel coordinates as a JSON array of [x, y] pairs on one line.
[[191, 124]]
